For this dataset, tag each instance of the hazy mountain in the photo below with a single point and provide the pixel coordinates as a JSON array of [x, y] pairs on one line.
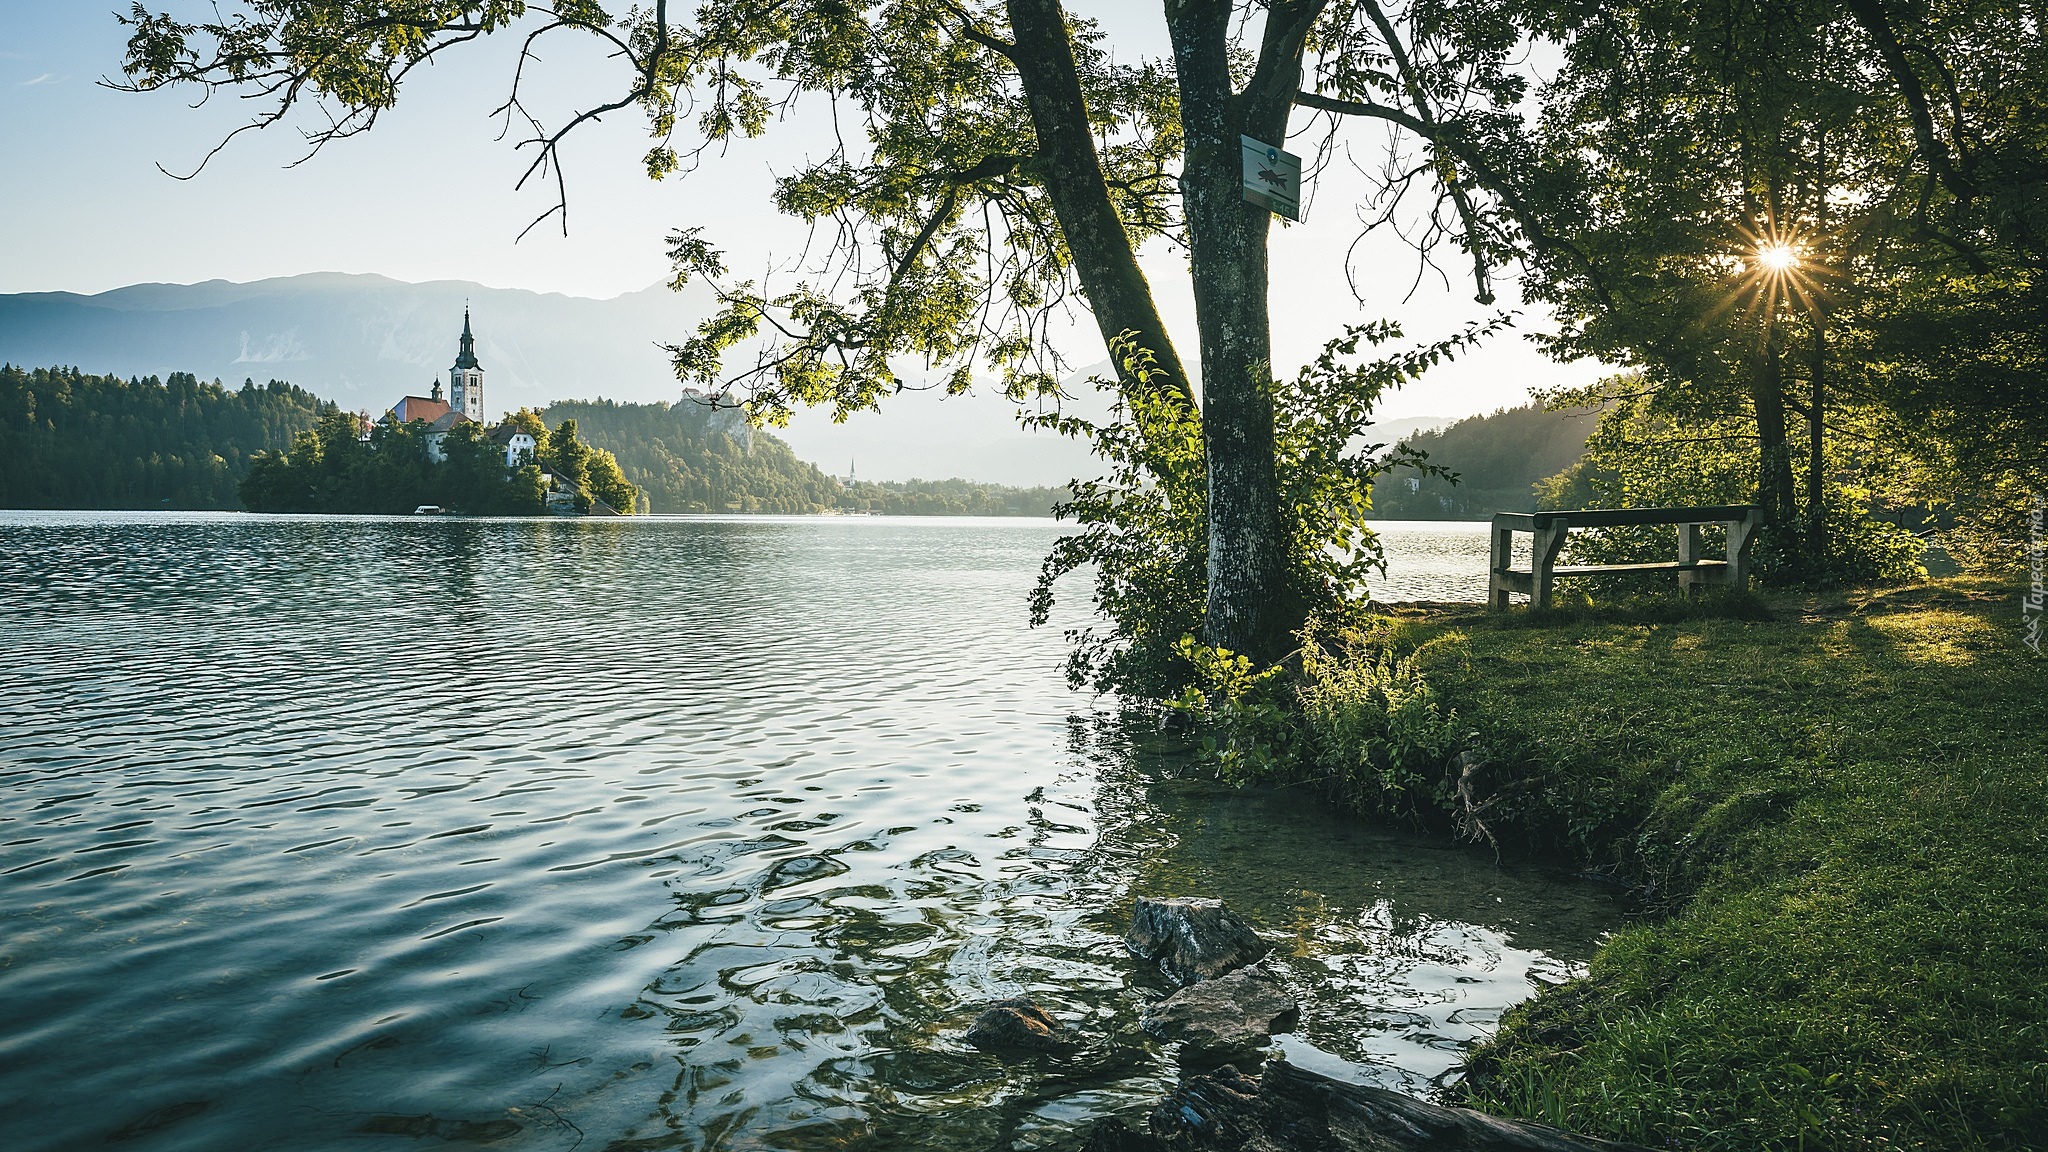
[[930, 436], [361, 340], [364, 341], [1395, 431]]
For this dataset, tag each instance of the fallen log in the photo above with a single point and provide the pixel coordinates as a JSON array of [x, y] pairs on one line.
[[1290, 1109]]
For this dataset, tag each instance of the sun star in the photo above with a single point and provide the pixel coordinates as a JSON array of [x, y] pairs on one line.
[[1777, 257]]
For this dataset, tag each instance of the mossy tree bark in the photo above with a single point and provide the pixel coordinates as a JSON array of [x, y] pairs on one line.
[[1248, 608]]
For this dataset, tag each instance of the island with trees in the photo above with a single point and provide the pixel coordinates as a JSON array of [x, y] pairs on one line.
[[347, 464]]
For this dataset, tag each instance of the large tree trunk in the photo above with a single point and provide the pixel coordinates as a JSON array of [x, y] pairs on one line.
[[1250, 608], [1782, 529], [1115, 286], [1774, 454], [1817, 398]]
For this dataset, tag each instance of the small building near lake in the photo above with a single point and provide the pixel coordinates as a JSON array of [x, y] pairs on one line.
[[518, 443]]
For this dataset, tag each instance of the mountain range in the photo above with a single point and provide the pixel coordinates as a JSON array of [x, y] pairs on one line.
[[358, 340], [365, 340]]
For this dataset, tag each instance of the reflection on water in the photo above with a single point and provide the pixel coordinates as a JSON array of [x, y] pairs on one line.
[[659, 834]]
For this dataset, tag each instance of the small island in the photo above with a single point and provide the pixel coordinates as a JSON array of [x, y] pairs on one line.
[[427, 452]]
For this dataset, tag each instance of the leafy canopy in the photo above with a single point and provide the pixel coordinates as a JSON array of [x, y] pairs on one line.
[[937, 239]]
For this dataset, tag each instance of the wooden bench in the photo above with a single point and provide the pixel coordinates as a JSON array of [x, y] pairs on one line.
[[1547, 531]]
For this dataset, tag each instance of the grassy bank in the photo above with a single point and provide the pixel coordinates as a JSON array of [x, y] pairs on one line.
[[1838, 809]]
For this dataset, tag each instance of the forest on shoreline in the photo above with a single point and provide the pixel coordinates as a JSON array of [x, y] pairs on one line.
[[69, 439], [75, 440]]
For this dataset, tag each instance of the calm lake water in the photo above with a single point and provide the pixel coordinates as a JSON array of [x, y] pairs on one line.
[[649, 834]]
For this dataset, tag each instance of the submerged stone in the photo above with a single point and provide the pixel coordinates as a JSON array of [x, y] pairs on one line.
[[1193, 939], [1230, 1016], [1113, 1135], [1016, 1025]]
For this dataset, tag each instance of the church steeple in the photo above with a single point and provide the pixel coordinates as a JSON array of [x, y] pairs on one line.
[[466, 356], [466, 379]]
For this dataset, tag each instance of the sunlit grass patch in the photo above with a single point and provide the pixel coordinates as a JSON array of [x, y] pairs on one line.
[[1934, 637]]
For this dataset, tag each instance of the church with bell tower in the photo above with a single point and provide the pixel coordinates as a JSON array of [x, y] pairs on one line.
[[464, 404], [466, 379]]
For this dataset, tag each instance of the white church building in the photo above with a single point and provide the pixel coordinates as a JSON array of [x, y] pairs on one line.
[[464, 404]]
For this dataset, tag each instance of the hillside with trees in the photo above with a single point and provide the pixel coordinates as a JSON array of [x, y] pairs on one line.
[[697, 456], [948, 498], [69, 439], [693, 457], [1497, 460]]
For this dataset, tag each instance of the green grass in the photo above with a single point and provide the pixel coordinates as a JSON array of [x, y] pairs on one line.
[[1837, 809]]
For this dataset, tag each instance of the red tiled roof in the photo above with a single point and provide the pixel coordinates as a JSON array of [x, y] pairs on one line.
[[412, 408]]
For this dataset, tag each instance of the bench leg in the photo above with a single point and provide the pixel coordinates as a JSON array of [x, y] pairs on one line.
[[1689, 553], [1739, 534], [1543, 556], [1499, 558]]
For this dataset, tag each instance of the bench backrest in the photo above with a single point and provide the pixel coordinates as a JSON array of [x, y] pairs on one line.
[[1620, 517]]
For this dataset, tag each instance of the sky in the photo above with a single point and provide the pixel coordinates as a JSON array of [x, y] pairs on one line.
[[430, 194]]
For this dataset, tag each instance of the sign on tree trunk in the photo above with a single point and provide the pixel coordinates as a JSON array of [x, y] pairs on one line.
[[1272, 178]]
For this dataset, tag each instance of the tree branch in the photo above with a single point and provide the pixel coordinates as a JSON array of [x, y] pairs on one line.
[[1072, 170], [1871, 14], [1447, 137]]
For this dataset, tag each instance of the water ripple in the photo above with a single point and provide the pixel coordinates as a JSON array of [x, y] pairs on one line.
[[676, 834]]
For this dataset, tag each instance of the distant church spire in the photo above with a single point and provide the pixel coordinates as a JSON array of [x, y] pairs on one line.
[[466, 356], [466, 379]]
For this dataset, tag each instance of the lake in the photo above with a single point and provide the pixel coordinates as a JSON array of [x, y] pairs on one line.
[[644, 834]]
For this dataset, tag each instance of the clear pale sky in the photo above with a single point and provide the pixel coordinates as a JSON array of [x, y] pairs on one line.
[[429, 195]]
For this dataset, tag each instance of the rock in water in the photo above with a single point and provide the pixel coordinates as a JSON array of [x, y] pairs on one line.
[[1017, 1024], [1229, 1016], [1113, 1135], [1193, 939]]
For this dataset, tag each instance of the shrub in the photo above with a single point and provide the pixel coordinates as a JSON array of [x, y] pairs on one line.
[[1144, 526]]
